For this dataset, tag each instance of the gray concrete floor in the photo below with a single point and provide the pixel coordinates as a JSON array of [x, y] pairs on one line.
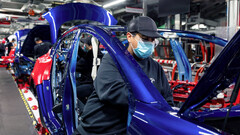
[[14, 118]]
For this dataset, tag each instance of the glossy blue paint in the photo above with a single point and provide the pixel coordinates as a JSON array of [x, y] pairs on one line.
[[47, 96], [115, 49], [22, 68], [208, 38], [70, 94], [183, 64], [43, 111], [68, 107], [19, 34], [72, 70], [205, 37], [219, 75], [141, 88], [150, 114], [126, 64], [148, 119], [76, 11], [184, 67]]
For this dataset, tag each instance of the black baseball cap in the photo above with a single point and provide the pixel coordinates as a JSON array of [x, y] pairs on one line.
[[87, 40], [37, 39], [143, 25]]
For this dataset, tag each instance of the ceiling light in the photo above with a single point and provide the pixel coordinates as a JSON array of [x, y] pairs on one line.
[[113, 3], [2, 15], [183, 23], [198, 26]]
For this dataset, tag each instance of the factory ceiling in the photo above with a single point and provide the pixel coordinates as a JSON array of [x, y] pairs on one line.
[[19, 12]]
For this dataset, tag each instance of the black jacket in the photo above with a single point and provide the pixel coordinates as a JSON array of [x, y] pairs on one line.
[[106, 110], [84, 66], [41, 49], [9, 45]]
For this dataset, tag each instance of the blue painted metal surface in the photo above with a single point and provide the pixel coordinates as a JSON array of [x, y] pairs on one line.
[[148, 119], [68, 107], [183, 64], [73, 11], [147, 100], [208, 38], [76, 11], [47, 95], [72, 70], [151, 113], [19, 34], [219, 75], [43, 111], [24, 67], [70, 93], [196, 35], [184, 67]]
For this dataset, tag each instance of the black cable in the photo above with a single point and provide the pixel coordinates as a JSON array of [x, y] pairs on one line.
[[232, 100]]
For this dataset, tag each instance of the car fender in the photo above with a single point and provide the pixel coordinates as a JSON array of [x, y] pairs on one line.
[[42, 69]]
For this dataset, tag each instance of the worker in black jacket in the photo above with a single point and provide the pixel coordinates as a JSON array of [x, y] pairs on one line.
[[106, 110], [84, 83], [10, 46], [41, 47]]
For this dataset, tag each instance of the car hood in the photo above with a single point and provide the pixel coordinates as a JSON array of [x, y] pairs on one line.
[[220, 74]]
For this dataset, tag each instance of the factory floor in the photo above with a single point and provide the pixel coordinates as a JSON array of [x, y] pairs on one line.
[[14, 118]]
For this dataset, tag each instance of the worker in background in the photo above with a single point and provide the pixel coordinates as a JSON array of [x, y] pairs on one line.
[[2, 49], [10, 46], [84, 83], [41, 47]]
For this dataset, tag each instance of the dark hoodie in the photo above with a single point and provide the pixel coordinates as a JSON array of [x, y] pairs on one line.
[[106, 110]]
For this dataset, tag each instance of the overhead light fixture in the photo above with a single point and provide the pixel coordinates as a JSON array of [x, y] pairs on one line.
[[113, 3], [2, 15], [198, 26], [183, 23]]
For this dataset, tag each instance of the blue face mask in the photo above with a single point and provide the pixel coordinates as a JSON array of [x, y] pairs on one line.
[[144, 49]]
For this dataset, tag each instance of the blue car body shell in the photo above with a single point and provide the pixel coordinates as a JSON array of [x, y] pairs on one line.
[[71, 11], [148, 109], [76, 11]]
